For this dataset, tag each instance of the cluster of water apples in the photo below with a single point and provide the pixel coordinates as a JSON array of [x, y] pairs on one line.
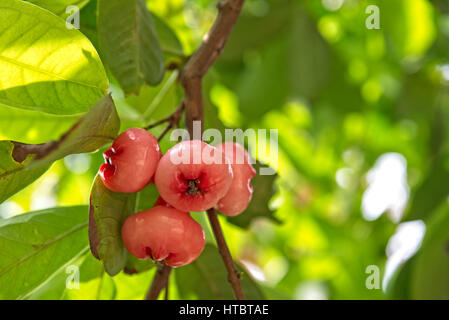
[[193, 176]]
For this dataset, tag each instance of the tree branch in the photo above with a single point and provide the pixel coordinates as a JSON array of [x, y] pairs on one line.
[[233, 273], [209, 50], [160, 281]]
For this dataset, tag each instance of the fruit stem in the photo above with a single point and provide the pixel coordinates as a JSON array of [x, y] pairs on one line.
[[233, 274], [160, 281]]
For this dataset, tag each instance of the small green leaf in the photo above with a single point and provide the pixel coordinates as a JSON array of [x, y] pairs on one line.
[[129, 43], [36, 245], [58, 7], [170, 43], [14, 176], [206, 278], [264, 189], [134, 265], [45, 66], [107, 212], [147, 197]]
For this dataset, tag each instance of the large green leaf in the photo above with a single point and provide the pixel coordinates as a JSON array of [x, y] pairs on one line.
[[43, 65], [264, 189], [107, 212], [94, 283], [14, 176], [32, 126], [129, 43], [206, 278], [22, 163], [36, 245], [98, 127], [59, 7], [170, 43]]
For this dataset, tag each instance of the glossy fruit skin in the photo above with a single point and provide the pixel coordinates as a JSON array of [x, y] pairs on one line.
[[240, 193], [163, 233], [131, 161], [196, 184]]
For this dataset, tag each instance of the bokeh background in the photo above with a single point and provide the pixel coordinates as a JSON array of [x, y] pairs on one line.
[[363, 176]]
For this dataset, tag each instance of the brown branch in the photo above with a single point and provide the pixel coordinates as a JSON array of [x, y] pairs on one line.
[[160, 281], [191, 79], [204, 57], [173, 121], [233, 273]]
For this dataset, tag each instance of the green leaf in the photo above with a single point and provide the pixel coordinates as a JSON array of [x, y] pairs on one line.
[[129, 43], [107, 212], [14, 175], [32, 126], [98, 127], [206, 278], [44, 66], [58, 7], [21, 164], [133, 287], [170, 43], [93, 282], [134, 265], [36, 245], [147, 197], [264, 190], [101, 288]]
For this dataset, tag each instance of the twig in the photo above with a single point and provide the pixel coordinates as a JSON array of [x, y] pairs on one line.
[[173, 121], [157, 123], [233, 273], [160, 281]]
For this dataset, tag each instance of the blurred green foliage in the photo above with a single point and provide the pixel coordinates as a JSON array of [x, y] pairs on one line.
[[341, 96]]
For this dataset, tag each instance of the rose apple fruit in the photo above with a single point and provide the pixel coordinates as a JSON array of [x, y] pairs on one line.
[[163, 233], [240, 192], [193, 176], [131, 161]]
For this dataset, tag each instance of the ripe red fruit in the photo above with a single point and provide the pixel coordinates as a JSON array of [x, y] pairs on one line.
[[131, 161], [193, 176], [239, 194], [163, 233]]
